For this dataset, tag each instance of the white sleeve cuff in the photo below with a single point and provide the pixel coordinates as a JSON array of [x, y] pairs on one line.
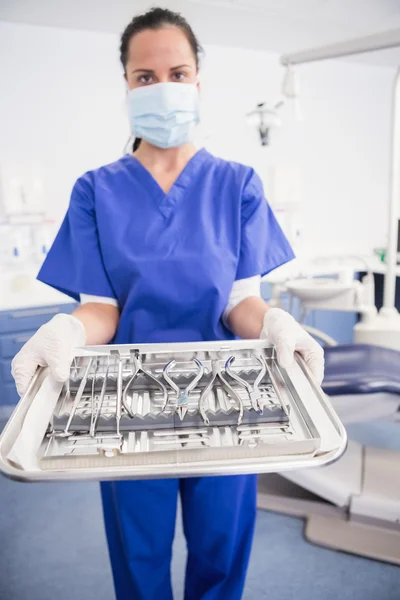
[[86, 298], [242, 289]]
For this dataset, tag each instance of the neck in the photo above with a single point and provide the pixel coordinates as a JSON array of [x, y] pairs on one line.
[[164, 158]]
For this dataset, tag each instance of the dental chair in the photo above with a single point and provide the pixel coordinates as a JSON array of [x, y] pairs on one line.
[[352, 505]]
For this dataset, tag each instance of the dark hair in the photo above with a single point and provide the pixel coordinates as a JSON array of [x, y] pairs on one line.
[[157, 18]]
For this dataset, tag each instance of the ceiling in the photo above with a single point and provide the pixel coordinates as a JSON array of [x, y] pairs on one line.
[[276, 25]]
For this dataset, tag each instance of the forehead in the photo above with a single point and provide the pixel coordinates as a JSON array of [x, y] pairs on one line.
[[153, 47]]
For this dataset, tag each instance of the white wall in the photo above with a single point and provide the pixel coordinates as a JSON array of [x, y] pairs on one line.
[[62, 105]]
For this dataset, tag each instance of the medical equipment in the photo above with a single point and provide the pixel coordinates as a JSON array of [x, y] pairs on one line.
[[354, 504], [339, 292], [364, 381], [137, 369], [182, 398], [253, 391], [365, 483], [229, 391], [84, 430], [382, 328], [264, 118]]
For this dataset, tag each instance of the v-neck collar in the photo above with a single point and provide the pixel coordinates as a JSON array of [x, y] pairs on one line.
[[166, 202]]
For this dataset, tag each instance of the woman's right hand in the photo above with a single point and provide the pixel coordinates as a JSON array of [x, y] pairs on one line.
[[52, 345]]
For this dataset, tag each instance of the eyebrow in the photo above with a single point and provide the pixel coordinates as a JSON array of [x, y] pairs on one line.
[[152, 71], [180, 67]]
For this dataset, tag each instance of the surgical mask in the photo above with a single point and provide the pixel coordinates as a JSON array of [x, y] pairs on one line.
[[164, 114]]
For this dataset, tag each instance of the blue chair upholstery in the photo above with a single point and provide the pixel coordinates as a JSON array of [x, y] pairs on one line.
[[361, 369]]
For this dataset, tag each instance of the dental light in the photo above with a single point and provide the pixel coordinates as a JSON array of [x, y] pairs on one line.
[[264, 118]]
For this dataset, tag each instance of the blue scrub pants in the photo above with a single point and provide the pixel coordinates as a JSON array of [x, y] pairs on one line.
[[218, 519]]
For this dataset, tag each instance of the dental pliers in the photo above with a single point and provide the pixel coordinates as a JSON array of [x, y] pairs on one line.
[[182, 396], [252, 390], [218, 374], [139, 368]]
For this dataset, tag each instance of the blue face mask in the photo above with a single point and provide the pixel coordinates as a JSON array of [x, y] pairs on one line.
[[164, 114]]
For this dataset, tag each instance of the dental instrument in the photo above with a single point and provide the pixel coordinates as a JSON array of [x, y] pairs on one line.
[[77, 400], [139, 368], [253, 391], [182, 396], [217, 374], [222, 434]]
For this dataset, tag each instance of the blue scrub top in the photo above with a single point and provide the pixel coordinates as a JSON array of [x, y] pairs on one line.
[[169, 260]]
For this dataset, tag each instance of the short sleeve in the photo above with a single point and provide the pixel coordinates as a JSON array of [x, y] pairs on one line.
[[74, 264], [263, 245]]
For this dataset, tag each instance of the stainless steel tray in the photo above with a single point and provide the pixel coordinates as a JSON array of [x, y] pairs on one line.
[[171, 410]]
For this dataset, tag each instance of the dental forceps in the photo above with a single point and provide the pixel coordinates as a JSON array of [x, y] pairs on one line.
[[137, 368], [253, 391], [217, 374], [182, 396]]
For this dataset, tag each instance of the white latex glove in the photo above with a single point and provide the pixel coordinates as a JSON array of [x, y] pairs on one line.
[[288, 336], [53, 346]]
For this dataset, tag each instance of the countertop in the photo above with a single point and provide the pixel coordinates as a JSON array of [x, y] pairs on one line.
[[20, 289]]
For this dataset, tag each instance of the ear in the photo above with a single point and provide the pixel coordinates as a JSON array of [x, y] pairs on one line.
[[198, 85]]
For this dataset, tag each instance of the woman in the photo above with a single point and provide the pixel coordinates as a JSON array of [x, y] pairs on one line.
[[168, 244]]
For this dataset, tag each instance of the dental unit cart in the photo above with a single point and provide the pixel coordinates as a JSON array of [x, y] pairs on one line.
[[171, 410]]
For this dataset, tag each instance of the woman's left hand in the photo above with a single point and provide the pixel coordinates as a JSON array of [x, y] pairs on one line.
[[288, 336]]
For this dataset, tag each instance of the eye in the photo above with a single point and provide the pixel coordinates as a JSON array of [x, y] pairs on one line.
[[179, 76], [145, 79]]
